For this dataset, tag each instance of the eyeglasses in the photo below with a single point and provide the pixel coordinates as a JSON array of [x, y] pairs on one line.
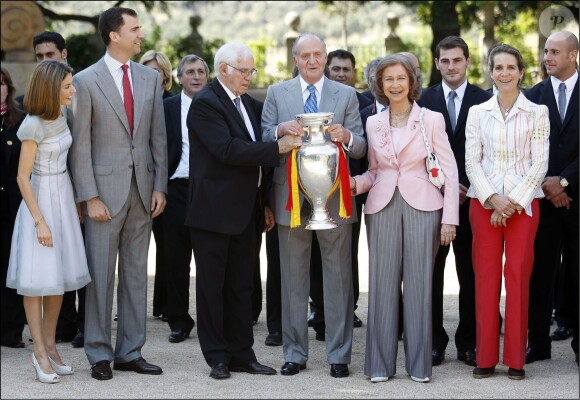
[[244, 71]]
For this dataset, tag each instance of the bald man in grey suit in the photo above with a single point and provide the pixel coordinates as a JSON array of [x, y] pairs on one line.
[[283, 102], [119, 165]]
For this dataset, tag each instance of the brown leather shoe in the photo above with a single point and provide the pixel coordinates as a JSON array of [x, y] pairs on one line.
[[140, 366], [101, 370]]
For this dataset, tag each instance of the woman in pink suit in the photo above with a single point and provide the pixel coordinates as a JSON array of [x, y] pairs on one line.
[[406, 218], [506, 159]]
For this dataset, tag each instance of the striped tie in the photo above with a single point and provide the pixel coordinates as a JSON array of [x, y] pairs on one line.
[[311, 105]]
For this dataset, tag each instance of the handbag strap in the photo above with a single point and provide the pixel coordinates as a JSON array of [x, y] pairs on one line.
[[427, 146]]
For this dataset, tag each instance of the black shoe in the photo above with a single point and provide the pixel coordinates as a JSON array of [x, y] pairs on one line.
[[536, 355], [291, 368], [179, 335], [561, 333], [101, 370], [164, 318], [314, 318], [320, 336], [339, 370], [357, 323], [254, 368], [138, 365], [18, 344], [220, 371], [65, 337], [468, 357], [437, 356], [79, 339], [480, 373], [274, 339]]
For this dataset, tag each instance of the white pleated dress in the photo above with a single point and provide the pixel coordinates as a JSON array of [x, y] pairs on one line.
[[36, 270]]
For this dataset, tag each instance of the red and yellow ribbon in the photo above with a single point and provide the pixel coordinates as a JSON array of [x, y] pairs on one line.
[[293, 202]]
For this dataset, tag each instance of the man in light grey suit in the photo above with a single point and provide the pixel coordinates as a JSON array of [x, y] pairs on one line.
[[311, 91], [119, 165]]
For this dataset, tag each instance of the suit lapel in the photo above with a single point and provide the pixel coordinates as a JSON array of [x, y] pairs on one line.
[[293, 97], [250, 110], [329, 97], [105, 82], [572, 107], [550, 101], [139, 85], [230, 106]]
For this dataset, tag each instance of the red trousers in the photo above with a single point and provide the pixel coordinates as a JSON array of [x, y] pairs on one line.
[[488, 250]]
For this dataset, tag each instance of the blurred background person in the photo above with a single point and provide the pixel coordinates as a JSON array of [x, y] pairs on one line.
[[192, 75], [407, 217], [12, 310], [160, 63], [48, 254], [506, 158]]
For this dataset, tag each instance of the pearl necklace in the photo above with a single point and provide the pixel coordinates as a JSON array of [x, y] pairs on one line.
[[398, 120]]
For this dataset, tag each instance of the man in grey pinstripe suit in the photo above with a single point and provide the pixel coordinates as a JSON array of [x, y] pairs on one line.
[[283, 102], [119, 164]]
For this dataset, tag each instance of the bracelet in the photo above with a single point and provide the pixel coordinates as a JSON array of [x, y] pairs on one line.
[[38, 221]]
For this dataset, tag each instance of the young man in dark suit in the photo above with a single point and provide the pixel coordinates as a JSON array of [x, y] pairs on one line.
[[557, 236], [453, 97], [225, 211]]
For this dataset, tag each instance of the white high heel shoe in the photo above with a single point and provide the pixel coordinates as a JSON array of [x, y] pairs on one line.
[[41, 375], [61, 369]]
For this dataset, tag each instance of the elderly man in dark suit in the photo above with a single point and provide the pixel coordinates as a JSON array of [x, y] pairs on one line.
[[225, 210], [311, 91], [119, 166], [453, 97], [557, 236]]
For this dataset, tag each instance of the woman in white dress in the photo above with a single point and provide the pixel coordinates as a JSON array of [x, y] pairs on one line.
[[48, 255]]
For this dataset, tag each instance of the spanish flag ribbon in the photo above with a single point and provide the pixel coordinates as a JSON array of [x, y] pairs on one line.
[[343, 175], [293, 202]]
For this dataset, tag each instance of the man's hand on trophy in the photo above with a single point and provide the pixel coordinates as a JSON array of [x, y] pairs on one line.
[[338, 133], [288, 142], [292, 128]]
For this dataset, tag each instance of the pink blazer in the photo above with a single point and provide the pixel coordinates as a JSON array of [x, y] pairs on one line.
[[407, 171]]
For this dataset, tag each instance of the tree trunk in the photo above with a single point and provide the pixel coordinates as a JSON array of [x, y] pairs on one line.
[[488, 40], [444, 22]]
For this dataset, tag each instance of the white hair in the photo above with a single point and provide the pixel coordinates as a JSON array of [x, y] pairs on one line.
[[230, 53]]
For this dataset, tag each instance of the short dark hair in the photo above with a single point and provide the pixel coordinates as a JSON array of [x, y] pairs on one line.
[[389, 61], [340, 53], [506, 48], [111, 20], [49, 37], [451, 42]]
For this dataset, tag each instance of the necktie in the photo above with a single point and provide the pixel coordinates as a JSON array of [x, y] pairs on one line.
[[451, 109], [128, 97], [311, 105], [562, 100], [237, 103]]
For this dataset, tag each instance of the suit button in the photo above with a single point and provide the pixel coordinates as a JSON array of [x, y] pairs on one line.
[[130, 166], [132, 147]]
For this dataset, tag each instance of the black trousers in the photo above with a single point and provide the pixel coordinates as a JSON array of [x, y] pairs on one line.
[[557, 241], [224, 285], [465, 333], [177, 250], [160, 282]]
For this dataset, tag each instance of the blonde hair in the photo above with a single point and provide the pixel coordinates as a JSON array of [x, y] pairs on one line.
[[42, 97], [164, 64]]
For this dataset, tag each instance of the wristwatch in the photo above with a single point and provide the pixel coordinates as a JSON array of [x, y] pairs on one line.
[[563, 181]]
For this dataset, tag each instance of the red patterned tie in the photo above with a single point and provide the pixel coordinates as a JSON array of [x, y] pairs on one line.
[[128, 97]]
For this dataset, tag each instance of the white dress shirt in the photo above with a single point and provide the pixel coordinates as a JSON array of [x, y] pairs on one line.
[[182, 170], [508, 157], [460, 92], [570, 83], [115, 67]]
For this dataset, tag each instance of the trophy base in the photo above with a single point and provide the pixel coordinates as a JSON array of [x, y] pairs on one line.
[[320, 221]]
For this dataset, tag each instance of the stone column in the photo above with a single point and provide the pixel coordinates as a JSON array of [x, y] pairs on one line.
[[393, 43], [292, 19], [20, 21]]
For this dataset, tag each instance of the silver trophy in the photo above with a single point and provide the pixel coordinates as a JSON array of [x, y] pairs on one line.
[[317, 164]]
